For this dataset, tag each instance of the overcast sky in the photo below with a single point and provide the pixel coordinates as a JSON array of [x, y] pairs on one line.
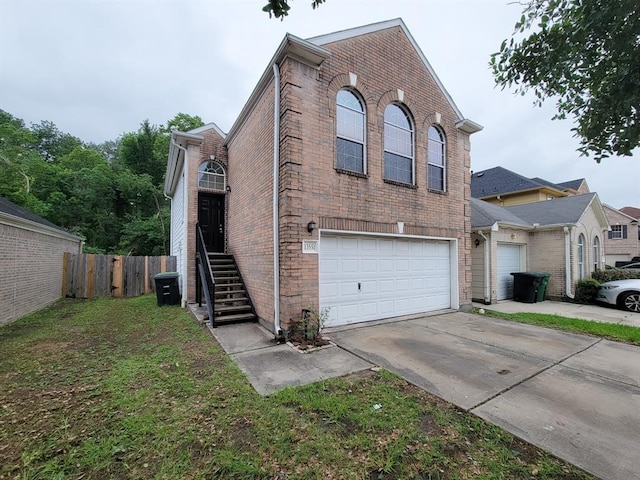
[[98, 68]]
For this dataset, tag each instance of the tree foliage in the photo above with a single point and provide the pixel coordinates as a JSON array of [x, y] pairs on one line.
[[111, 193], [585, 54], [280, 8]]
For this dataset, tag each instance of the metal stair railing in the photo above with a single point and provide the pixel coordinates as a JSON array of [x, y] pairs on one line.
[[204, 277]]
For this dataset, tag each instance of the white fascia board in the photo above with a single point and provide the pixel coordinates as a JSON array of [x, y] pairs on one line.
[[24, 224], [291, 46], [468, 126], [596, 205], [207, 127], [175, 161], [463, 124]]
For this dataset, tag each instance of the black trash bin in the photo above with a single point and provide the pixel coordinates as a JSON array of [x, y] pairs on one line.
[[526, 286], [167, 288]]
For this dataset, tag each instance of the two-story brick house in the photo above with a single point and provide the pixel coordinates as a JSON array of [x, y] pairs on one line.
[[344, 184]]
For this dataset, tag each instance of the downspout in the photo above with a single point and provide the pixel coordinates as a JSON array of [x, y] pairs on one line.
[[567, 265], [276, 188], [487, 280], [185, 213]]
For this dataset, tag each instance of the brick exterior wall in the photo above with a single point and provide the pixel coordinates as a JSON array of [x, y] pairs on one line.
[[311, 189], [31, 270], [620, 249]]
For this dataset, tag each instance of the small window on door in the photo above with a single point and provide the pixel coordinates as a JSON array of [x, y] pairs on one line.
[[212, 177]]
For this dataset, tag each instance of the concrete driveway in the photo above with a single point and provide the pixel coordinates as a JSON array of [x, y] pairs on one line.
[[573, 395]]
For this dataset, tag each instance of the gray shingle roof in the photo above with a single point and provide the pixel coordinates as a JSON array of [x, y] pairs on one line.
[[500, 181], [485, 214], [564, 210], [573, 184], [11, 208]]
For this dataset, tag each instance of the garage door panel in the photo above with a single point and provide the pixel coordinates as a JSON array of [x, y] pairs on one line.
[[509, 260], [397, 276]]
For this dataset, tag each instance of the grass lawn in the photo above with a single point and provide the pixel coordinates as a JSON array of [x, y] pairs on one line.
[[123, 389], [612, 331]]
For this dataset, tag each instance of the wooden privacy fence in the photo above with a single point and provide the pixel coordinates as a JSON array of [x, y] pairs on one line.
[[89, 276]]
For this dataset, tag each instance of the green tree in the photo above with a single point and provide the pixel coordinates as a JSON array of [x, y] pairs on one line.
[[51, 142], [584, 54], [280, 8]]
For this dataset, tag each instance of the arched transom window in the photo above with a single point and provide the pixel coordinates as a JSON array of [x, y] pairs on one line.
[[350, 122], [211, 176], [398, 145], [436, 153]]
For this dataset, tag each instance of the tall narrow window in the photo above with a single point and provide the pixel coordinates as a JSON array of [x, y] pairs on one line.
[[350, 122], [596, 254], [211, 176], [398, 145], [581, 256], [436, 152]]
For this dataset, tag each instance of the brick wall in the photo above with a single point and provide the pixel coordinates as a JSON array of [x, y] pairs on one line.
[[31, 270], [312, 188], [620, 248]]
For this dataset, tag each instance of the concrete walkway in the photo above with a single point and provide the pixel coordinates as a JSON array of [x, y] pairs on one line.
[[575, 396]]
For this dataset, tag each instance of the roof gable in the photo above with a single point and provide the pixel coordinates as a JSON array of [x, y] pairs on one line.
[[376, 27], [559, 211], [499, 181]]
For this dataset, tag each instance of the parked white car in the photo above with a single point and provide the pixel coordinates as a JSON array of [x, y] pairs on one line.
[[622, 293]]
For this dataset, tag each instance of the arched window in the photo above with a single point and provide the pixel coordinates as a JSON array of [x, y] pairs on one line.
[[398, 145], [581, 256], [211, 176], [436, 153], [596, 253], [350, 123]]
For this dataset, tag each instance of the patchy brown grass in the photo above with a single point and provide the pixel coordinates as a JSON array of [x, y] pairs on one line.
[[124, 389]]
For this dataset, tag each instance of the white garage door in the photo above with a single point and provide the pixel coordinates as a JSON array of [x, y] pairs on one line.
[[368, 278], [509, 260]]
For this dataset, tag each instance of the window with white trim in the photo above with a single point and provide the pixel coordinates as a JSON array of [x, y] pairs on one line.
[[581, 256], [617, 232], [211, 176], [436, 157], [398, 145], [596, 254], [350, 136]]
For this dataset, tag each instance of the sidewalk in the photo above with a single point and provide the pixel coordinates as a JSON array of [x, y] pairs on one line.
[[596, 313]]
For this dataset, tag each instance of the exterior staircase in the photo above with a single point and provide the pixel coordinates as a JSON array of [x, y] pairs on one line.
[[231, 300]]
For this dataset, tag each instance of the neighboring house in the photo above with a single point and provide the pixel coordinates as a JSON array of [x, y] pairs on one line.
[[563, 237], [503, 187], [342, 185], [31, 260], [622, 242]]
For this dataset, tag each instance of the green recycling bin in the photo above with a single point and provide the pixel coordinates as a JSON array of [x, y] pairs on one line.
[[542, 286], [167, 288]]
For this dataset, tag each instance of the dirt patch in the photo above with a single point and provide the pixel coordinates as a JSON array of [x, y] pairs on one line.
[[49, 347]]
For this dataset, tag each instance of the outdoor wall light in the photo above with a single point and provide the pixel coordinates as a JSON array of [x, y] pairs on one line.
[[228, 189], [477, 243], [311, 227]]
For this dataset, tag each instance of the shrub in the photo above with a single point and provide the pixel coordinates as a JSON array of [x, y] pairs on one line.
[[586, 290], [615, 274]]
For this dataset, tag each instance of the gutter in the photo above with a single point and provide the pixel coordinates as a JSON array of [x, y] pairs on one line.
[[276, 212], [567, 265], [185, 208], [487, 277]]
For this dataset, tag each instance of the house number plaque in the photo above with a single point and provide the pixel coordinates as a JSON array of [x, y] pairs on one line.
[[310, 246]]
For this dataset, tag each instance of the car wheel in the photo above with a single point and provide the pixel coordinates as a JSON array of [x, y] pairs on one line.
[[631, 301]]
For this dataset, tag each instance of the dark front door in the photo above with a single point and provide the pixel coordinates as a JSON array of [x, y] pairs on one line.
[[211, 220]]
